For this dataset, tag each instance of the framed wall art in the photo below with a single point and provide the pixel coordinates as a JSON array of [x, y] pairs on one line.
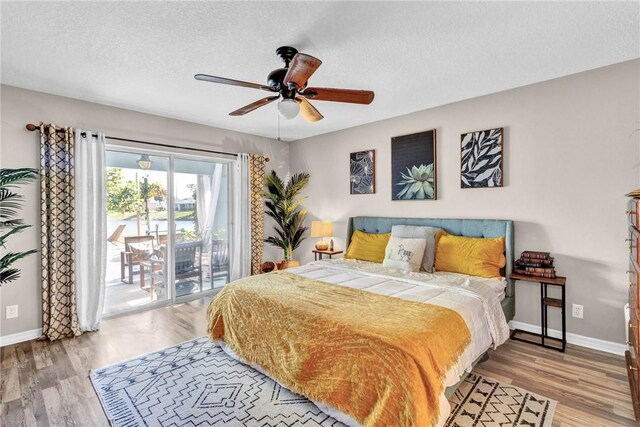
[[413, 166], [363, 172], [481, 159]]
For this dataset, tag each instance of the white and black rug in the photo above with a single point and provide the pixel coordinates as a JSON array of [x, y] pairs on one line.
[[485, 402], [197, 384]]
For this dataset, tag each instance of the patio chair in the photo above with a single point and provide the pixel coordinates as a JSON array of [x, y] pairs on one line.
[[188, 264], [219, 260], [132, 256], [114, 239], [188, 261], [163, 238]]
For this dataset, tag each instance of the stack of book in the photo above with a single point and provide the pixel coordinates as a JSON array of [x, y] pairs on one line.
[[533, 263]]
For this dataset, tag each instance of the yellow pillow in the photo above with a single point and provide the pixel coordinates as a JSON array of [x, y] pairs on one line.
[[470, 255], [367, 246]]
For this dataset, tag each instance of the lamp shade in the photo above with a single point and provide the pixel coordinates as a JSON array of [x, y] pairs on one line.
[[288, 108], [144, 162], [321, 229]]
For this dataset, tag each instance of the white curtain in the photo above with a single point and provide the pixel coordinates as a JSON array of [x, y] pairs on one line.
[[241, 221], [91, 227], [207, 195]]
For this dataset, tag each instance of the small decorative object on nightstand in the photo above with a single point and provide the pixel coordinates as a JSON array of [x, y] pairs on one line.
[[318, 254], [321, 229], [268, 267], [537, 267]]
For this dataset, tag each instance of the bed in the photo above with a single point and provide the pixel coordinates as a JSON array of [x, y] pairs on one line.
[[459, 227], [294, 326]]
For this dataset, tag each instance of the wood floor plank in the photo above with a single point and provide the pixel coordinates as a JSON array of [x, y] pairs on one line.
[[57, 408], [9, 384], [47, 383], [30, 391], [41, 354]]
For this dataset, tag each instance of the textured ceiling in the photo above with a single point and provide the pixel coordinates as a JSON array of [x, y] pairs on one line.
[[143, 55]]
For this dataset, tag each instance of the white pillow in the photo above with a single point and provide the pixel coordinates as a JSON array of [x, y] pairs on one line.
[[404, 254], [420, 232]]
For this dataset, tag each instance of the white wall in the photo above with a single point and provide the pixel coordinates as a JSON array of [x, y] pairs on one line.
[[570, 156], [20, 148]]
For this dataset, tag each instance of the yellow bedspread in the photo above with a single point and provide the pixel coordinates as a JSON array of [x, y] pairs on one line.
[[379, 359]]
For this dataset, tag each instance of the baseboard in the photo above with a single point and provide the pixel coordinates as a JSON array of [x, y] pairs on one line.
[[20, 337], [581, 340]]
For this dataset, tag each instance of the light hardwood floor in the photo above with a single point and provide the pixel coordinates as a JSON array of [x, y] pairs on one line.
[[47, 383]]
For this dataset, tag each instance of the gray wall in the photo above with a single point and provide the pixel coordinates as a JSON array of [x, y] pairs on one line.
[[570, 156], [19, 148]]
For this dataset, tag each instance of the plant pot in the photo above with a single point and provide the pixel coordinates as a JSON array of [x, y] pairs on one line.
[[288, 264]]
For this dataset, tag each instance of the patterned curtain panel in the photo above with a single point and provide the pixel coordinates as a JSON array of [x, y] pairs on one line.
[[59, 316], [256, 182]]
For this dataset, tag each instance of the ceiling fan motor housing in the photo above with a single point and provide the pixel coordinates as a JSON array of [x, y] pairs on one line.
[[275, 79]]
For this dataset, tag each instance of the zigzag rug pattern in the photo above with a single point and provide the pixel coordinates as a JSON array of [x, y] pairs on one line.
[[197, 384]]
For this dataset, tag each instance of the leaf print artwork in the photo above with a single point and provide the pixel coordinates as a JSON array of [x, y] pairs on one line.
[[481, 159], [362, 172]]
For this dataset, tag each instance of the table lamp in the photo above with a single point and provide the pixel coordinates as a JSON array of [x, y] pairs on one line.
[[321, 229]]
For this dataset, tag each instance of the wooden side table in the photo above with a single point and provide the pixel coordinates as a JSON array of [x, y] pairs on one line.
[[153, 265], [318, 254], [545, 302]]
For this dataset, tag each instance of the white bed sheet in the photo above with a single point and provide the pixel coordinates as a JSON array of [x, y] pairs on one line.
[[476, 299]]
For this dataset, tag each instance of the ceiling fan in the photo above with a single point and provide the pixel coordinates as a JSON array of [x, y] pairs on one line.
[[290, 84]]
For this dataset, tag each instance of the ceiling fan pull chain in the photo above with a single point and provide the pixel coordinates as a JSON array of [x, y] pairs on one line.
[[278, 114]]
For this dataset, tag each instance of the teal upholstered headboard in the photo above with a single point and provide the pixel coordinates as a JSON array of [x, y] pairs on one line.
[[459, 227]]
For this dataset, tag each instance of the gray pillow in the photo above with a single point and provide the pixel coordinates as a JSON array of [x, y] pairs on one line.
[[420, 232]]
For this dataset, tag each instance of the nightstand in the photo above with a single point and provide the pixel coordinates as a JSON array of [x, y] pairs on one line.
[[318, 254], [545, 302]]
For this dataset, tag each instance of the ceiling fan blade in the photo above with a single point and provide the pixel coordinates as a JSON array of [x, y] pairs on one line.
[[302, 66], [249, 108], [338, 95], [308, 111], [214, 79]]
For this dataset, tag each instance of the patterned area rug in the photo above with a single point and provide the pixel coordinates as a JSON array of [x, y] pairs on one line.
[[482, 401], [197, 384]]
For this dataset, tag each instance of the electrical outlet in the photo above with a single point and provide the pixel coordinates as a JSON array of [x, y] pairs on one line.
[[12, 311], [578, 311]]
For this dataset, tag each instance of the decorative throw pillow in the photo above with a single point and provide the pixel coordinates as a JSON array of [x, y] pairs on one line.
[[367, 246], [475, 256], [404, 254], [420, 232], [141, 251]]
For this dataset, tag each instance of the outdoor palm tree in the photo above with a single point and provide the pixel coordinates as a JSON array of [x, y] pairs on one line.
[[10, 203], [283, 205]]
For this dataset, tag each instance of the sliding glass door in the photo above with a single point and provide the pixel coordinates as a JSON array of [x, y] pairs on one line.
[[168, 227], [136, 210], [201, 206]]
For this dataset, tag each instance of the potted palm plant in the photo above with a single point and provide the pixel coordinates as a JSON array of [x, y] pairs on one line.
[[10, 203], [282, 203]]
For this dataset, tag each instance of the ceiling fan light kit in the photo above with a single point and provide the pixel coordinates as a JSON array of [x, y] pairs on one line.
[[290, 83], [288, 108]]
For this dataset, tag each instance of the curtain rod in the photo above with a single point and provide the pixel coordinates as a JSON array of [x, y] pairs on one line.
[[31, 128]]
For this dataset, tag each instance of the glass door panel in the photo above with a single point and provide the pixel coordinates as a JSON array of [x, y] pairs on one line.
[[201, 206], [136, 223]]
